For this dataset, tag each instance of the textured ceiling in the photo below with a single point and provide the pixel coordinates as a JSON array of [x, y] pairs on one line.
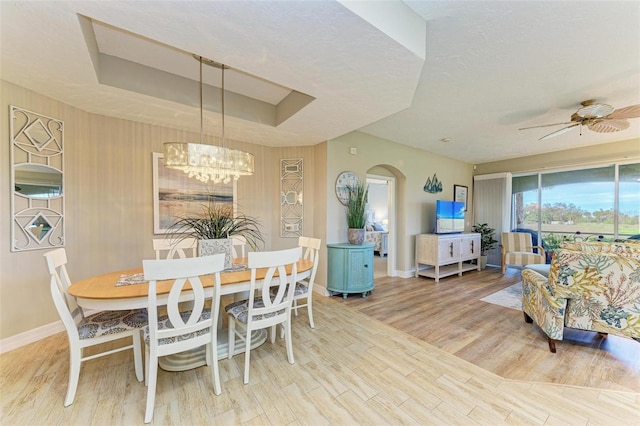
[[413, 72]]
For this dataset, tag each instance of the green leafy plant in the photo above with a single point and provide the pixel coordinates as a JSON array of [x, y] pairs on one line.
[[216, 222], [487, 242], [357, 198]]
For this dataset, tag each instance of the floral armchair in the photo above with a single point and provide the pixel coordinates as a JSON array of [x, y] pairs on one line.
[[591, 286]]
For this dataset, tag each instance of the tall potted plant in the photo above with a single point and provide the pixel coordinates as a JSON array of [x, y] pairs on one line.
[[357, 198], [213, 228], [487, 241]]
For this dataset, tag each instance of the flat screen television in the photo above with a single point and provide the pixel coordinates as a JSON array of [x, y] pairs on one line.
[[449, 217]]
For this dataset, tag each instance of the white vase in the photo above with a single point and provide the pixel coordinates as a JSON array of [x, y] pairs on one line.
[[356, 236], [211, 247], [483, 261]]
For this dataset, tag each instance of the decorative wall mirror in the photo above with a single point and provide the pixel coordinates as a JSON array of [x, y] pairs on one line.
[[291, 185], [37, 181]]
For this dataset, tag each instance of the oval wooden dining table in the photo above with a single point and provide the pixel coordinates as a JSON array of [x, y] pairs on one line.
[[101, 292]]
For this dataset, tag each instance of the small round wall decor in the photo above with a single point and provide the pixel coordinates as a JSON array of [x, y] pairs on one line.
[[344, 180]]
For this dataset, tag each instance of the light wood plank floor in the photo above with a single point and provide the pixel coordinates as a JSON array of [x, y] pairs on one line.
[[451, 316], [352, 369]]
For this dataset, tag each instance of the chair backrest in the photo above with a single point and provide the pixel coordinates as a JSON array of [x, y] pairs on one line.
[[184, 248], [185, 274], [277, 303], [311, 248], [68, 310], [517, 241], [238, 246]]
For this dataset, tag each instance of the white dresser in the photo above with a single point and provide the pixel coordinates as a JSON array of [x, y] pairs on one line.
[[446, 254]]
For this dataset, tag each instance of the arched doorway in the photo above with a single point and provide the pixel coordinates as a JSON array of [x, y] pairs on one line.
[[382, 216]]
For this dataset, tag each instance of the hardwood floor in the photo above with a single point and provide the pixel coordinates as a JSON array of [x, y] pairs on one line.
[[352, 369], [450, 316]]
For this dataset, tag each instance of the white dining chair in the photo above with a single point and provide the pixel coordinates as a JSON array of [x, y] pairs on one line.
[[167, 248], [84, 331], [303, 293], [178, 330], [262, 310]]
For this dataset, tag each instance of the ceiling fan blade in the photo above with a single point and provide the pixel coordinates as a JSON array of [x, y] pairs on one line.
[[547, 125], [559, 132], [608, 125], [632, 111]]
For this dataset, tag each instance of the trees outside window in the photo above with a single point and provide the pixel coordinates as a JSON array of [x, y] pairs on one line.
[[588, 204]]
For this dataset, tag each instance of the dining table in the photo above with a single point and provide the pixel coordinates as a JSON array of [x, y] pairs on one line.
[[112, 292]]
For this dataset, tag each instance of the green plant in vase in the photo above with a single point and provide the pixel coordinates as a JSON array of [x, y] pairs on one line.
[[357, 198], [487, 241], [213, 228]]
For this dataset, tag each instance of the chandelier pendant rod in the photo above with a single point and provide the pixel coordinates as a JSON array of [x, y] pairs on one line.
[[223, 144], [201, 109]]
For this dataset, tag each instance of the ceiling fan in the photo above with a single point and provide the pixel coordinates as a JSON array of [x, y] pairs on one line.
[[597, 117]]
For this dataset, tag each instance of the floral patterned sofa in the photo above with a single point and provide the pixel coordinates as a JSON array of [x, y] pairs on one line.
[[591, 286]]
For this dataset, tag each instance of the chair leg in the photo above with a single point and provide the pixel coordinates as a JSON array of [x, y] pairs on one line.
[[212, 361], [137, 354], [527, 318], [247, 356], [295, 306], [552, 345], [146, 365], [75, 359], [232, 338], [288, 341], [208, 353], [272, 334], [603, 335], [310, 311], [151, 390]]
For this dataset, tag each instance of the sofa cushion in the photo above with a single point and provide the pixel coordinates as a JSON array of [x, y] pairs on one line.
[[602, 288], [621, 248]]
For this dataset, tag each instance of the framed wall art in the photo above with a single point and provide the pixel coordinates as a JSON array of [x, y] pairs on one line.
[[176, 195], [460, 195]]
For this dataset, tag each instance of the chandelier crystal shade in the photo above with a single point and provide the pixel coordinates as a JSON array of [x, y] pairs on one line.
[[208, 162]]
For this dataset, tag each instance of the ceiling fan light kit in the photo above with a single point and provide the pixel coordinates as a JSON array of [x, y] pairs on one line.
[[598, 117]]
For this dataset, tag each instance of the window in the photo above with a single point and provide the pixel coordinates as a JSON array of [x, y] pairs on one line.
[[587, 204]]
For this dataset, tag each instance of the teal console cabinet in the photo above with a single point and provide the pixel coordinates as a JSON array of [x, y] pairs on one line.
[[350, 268]]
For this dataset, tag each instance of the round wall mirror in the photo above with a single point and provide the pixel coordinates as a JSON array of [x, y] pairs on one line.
[[37, 181]]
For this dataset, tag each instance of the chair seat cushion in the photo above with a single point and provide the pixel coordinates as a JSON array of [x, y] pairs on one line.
[[111, 322], [523, 258], [240, 310], [301, 289], [165, 324]]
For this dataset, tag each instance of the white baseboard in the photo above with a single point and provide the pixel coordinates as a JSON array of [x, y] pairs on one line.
[[405, 274], [14, 342]]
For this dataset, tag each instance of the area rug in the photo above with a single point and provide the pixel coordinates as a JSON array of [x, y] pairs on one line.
[[510, 297]]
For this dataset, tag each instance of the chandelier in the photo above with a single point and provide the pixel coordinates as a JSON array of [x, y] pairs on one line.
[[208, 162]]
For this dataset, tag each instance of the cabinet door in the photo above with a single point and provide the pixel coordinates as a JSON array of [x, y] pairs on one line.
[[359, 270], [336, 269], [470, 247], [448, 250]]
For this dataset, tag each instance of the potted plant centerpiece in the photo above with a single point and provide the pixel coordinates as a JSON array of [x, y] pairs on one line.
[[357, 198], [487, 242], [213, 228]]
